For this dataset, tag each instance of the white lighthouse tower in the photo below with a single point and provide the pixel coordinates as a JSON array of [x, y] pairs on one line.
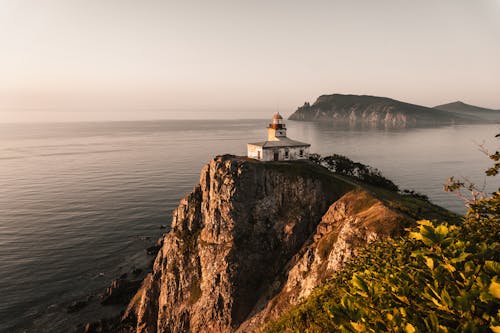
[[278, 146], [276, 129]]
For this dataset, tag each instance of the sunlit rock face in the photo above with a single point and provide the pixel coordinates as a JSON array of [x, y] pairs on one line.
[[252, 239]]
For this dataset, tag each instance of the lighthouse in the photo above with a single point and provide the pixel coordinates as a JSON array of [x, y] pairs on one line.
[[278, 146], [276, 129]]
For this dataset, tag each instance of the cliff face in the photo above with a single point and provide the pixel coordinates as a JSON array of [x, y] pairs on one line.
[[354, 220], [374, 110], [252, 239]]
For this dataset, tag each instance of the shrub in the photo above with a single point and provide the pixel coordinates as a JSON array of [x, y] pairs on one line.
[[343, 165]]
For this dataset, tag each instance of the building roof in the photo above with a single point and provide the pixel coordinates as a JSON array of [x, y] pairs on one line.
[[282, 142], [277, 116]]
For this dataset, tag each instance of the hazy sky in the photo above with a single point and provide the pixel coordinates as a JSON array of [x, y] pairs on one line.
[[124, 59]]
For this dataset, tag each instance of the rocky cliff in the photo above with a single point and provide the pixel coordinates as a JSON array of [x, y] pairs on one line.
[[254, 238], [374, 110]]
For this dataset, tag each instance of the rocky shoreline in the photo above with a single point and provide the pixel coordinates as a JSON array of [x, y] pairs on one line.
[[118, 294]]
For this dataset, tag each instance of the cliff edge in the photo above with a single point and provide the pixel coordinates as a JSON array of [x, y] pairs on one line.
[[255, 238]]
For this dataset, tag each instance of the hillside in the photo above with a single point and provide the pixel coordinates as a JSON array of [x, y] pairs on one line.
[[255, 238], [462, 108], [437, 278], [374, 110]]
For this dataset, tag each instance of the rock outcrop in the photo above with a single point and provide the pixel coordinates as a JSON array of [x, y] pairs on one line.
[[375, 111], [252, 239]]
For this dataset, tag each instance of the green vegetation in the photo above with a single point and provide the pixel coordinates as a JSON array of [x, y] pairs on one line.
[[363, 173], [411, 203], [343, 165], [303, 169], [437, 278]]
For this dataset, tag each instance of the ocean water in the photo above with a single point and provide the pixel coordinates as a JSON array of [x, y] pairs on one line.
[[79, 202]]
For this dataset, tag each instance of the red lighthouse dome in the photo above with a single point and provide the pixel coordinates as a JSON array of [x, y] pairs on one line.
[[277, 122]]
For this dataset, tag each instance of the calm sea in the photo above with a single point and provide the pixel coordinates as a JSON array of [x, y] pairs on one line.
[[79, 202]]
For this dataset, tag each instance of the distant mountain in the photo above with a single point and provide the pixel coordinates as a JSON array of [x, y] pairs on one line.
[[375, 110], [470, 110]]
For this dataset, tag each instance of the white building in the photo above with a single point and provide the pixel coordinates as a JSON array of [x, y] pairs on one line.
[[278, 146]]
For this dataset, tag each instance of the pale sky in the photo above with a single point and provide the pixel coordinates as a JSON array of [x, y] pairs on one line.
[[123, 60]]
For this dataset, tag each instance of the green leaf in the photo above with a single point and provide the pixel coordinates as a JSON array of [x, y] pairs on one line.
[[460, 258], [425, 222], [495, 329], [403, 299], [428, 235], [441, 230], [429, 262], [494, 288], [492, 266], [449, 267], [446, 298], [359, 283], [409, 328], [415, 235], [358, 327]]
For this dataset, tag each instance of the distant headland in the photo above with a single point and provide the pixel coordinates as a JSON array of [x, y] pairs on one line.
[[390, 112]]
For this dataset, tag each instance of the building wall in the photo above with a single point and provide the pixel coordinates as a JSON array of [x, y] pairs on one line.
[[294, 153], [254, 151], [272, 133], [267, 154]]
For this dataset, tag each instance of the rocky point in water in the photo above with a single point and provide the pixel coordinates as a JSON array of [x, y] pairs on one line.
[[254, 238], [377, 111]]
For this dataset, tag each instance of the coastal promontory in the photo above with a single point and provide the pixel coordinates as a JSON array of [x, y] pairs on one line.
[[376, 110], [254, 238]]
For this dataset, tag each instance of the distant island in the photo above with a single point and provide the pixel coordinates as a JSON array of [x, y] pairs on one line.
[[470, 110], [390, 112]]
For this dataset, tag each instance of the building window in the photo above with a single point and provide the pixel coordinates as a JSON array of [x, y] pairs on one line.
[[286, 153], [301, 153], [258, 154]]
